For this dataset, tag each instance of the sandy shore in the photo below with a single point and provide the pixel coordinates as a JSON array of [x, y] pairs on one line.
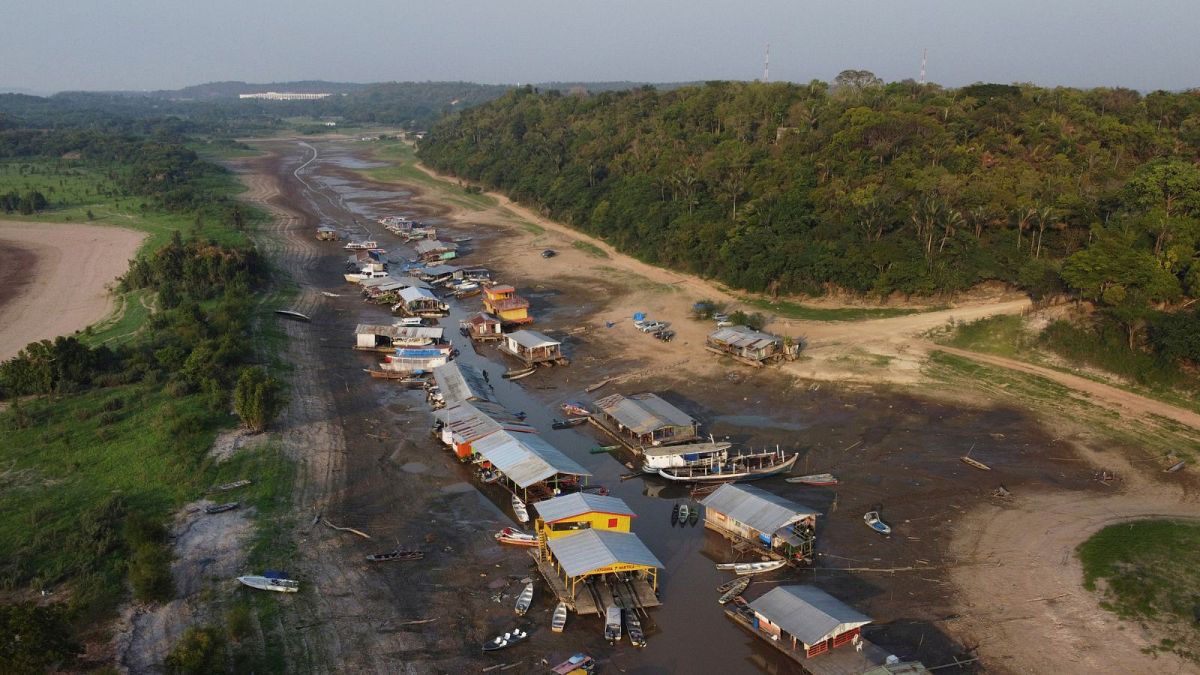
[[54, 278]]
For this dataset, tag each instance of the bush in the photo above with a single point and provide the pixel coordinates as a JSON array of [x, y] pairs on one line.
[[35, 639], [755, 320], [257, 399], [150, 572], [198, 651]]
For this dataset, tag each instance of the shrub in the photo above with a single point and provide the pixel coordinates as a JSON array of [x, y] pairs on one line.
[[257, 399], [198, 651], [35, 639], [150, 572]]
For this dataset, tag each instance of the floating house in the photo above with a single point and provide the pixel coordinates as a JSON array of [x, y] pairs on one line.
[[430, 250], [327, 233], [683, 455], [529, 463], [594, 569], [466, 422], [437, 274], [483, 327], [644, 420], [571, 514], [369, 269], [416, 359], [503, 302], [420, 302], [533, 348], [459, 382], [761, 522], [750, 346], [381, 338]]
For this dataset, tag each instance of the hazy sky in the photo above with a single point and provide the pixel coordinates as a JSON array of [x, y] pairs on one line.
[[152, 44]]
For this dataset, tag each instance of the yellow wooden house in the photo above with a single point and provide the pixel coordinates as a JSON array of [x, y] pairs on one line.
[[503, 302], [578, 511]]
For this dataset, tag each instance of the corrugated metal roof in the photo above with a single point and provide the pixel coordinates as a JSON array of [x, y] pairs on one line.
[[809, 613], [410, 294], [579, 503], [762, 510], [438, 270], [430, 245], [643, 413], [395, 332], [461, 382], [531, 339], [526, 459], [469, 421], [591, 550], [685, 449], [742, 337]]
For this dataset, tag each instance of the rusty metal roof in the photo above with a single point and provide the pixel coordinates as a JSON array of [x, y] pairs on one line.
[[461, 382], [809, 613], [469, 421], [643, 413], [525, 458], [755, 507], [741, 337]]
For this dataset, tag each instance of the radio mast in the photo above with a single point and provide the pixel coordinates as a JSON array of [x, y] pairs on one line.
[[924, 54], [767, 65]]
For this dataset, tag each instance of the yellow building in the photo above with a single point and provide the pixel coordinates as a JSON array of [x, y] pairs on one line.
[[503, 302], [578, 511]]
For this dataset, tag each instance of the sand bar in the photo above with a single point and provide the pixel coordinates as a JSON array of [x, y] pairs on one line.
[[54, 278]]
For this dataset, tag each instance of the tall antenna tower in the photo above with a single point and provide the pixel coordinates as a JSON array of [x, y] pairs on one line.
[[924, 54], [767, 65]]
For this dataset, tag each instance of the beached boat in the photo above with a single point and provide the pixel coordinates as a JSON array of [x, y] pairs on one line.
[[1175, 467], [396, 556], [675, 515], [579, 663], [612, 625], [221, 508], [681, 456], [518, 373], [268, 584], [226, 487], [365, 245], [633, 626], [873, 521], [506, 640], [399, 376], [599, 384], [330, 295], [559, 620], [683, 513], [568, 423], [722, 588], [749, 466], [292, 315], [575, 409], [596, 490], [467, 293], [753, 567], [601, 449], [515, 537], [814, 479], [737, 587], [525, 599], [488, 475], [519, 510], [975, 463], [693, 515]]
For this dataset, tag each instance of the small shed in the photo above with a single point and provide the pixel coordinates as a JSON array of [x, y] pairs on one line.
[[528, 460], [750, 346], [483, 327], [743, 513], [384, 338], [807, 618], [532, 348], [436, 274], [461, 382], [327, 233], [570, 514], [647, 419]]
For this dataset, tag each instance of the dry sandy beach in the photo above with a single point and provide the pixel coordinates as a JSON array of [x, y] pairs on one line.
[[54, 278]]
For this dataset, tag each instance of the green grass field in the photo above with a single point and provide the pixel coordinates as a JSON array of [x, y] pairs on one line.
[[1147, 571], [589, 248], [402, 159], [795, 310]]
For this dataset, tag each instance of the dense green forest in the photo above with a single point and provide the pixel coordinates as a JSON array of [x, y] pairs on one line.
[[871, 188]]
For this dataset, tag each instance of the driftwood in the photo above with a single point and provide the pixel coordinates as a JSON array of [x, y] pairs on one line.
[[360, 533]]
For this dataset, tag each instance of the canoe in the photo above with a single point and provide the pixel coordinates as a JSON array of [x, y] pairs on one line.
[[596, 490], [633, 627], [612, 625], [525, 599], [507, 640], [600, 449], [738, 587], [752, 568], [559, 620], [221, 508], [675, 515], [226, 487], [519, 510], [514, 537], [693, 515], [683, 513], [397, 555], [975, 463], [579, 663], [266, 584], [729, 584], [814, 479], [871, 518], [519, 373], [1175, 467], [575, 409], [568, 423], [292, 315]]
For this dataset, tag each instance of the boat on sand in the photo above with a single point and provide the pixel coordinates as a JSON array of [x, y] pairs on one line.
[[270, 584], [519, 510], [814, 479], [737, 587], [559, 620], [579, 663], [753, 567], [506, 640], [525, 599], [873, 521], [515, 537], [395, 556]]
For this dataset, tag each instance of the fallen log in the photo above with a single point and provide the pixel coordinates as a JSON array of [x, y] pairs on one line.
[[360, 533]]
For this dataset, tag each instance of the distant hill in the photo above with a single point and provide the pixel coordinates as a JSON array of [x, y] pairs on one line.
[[230, 89]]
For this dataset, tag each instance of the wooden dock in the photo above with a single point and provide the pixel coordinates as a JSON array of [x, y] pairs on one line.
[[844, 660], [625, 441], [584, 603]]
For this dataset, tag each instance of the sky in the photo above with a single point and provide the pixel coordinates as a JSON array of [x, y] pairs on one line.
[[167, 44]]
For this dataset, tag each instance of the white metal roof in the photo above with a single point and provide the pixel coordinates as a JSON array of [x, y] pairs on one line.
[[394, 332], [761, 510], [809, 613], [643, 413], [531, 339], [461, 382], [591, 550], [430, 245], [412, 293], [438, 270], [469, 421], [579, 503], [525, 458], [685, 449]]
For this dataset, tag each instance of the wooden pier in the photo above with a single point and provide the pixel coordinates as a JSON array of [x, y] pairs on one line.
[[584, 603], [625, 441], [844, 660]]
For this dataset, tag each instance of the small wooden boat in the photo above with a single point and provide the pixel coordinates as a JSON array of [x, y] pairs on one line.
[[750, 466], [525, 599], [467, 293], [601, 449], [459, 240], [752, 568], [738, 587], [814, 479], [596, 490], [559, 620], [488, 475], [515, 537], [400, 376], [579, 663], [292, 315], [575, 409], [684, 512], [509, 639], [221, 508], [1175, 467], [871, 518], [612, 625], [675, 515], [975, 463], [226, 487], [519, 510], [330, 295], [568, 423], [730, 584], [693, 515], [633, 626], [395, 556], [599, 384], [268, 584], [518, 373]]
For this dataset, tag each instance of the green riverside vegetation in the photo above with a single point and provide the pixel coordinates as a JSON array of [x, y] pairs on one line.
[[1146, 572]]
